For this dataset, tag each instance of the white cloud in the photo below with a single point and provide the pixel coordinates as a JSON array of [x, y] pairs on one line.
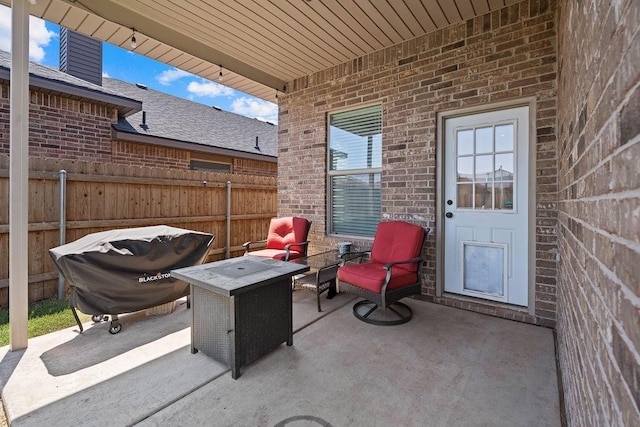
[[254, 107], [105, 74], [169, 76], [39, 35], [209, 89]]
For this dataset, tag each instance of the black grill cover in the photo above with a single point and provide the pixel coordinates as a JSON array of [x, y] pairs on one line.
[[121, 271]]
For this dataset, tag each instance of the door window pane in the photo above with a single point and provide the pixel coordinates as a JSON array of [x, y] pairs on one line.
[[465, 196], [486, 167], [504, 195], [465, 142], [504, 137], [484, 195], [465, 169], [484, 140], [504, 167]]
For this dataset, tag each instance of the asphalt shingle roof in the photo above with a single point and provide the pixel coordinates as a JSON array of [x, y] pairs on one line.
[[53, 79], [170, 117], [167, 116]]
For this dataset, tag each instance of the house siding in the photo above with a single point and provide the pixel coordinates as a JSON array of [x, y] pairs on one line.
[[598, 329], [504, 55], [81, 56]]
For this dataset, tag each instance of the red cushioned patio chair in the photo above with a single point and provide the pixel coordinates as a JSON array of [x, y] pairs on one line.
[[392, 272], [287, 239]]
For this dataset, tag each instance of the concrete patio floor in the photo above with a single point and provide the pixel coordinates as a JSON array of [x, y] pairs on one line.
[[446, 367]]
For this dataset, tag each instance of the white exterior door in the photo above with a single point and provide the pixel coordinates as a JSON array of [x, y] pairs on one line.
[[486, 205]]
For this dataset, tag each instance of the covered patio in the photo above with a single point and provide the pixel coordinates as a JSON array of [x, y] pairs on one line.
[[570, 66], [445, 367]]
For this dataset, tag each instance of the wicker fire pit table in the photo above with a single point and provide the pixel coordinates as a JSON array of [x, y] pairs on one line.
[[241, 308]]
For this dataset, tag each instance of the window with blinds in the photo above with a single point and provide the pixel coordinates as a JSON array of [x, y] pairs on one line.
[[354, 170]]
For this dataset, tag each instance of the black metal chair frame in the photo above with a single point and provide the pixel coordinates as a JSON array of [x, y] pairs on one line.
[[387, 299]]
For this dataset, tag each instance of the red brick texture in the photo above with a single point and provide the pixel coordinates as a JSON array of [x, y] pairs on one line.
[[64, 128], [508, 54], [598, 329], [130, 153]]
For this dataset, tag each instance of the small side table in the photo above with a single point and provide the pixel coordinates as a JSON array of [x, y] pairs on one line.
[[322, 274]]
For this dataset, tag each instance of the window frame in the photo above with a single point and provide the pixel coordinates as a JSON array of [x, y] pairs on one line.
[[345, 172], [210, 162]]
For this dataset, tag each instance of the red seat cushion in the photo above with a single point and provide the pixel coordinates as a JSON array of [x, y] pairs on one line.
[[371, 276], [397, 241], [286, 230], [275, 254], [394, 241]]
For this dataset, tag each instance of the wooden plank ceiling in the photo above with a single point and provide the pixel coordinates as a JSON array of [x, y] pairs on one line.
[[260, 44]]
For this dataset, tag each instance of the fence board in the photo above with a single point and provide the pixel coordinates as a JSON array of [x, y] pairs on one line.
[[122, 201], [96, 200], [4, 195], [106, 196], [111, 198], [52, 200], [4, 254]]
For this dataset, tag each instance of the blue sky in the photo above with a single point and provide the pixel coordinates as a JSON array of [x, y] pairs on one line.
[[44, 48]]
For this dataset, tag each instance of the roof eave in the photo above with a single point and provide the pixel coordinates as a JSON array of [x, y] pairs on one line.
[[190, 146], [125, 106]]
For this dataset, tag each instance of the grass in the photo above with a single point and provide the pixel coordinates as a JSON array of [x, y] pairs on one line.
[[44, 317]]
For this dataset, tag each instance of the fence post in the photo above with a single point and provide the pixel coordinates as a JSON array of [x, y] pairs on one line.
[[63, 224], [228, 243]]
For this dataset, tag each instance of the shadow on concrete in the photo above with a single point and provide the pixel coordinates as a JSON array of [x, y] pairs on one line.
[[96, 345], [9, 362]]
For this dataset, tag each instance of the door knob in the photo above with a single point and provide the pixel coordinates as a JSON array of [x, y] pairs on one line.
[[448, 215]]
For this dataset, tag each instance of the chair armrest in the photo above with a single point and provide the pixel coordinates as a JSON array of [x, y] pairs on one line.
[[287, 248], [390, 271], [409, 261], [350, 256], [246, 245]]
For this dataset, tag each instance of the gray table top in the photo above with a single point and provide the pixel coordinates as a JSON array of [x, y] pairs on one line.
[[236, 275], [327, 259]]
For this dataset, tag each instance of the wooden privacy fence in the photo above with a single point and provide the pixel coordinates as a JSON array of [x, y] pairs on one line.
[[103, 196]]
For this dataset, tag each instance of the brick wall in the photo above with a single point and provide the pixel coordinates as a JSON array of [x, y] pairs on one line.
[[60, 127], [130, 153], [254, 167], [599, 211], [507, 54], [64, 128]]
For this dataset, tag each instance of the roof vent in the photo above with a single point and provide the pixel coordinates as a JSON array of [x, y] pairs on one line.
[[144, 124], [141, 86], [215, 107], [257, 147]]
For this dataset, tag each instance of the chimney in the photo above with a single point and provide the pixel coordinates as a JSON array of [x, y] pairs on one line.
[[81, 56]]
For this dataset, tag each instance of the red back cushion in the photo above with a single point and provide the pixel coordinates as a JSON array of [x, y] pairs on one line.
[[283, 231], [397, 241]]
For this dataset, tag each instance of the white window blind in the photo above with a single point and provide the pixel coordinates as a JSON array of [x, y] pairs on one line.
[[354, 169]]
